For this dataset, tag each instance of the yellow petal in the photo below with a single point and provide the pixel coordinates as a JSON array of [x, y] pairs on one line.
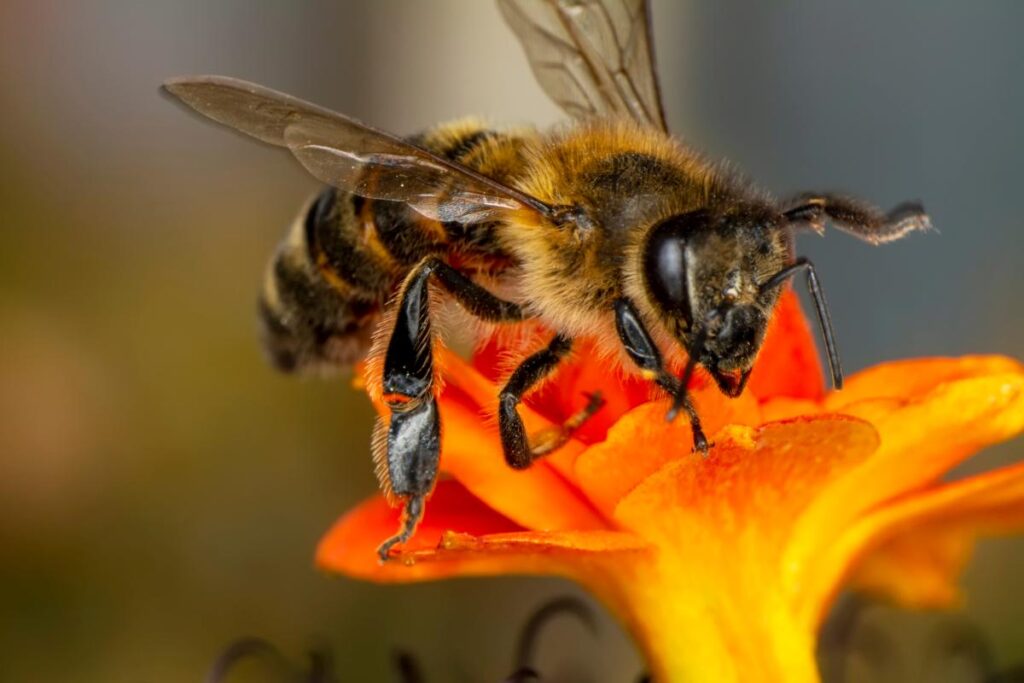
[[711, 606], [921, 440], [912, 549]]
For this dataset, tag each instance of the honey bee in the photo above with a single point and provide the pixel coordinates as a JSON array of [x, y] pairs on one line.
[[609, 229]]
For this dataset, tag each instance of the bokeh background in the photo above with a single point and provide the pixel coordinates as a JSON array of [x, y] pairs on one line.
[[162, 490]]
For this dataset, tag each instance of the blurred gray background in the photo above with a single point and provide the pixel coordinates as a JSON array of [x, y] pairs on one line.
[[162, 490]]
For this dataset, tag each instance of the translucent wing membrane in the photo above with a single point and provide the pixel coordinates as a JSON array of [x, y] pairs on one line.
[[592, 57], [378, 168], [349, 155]]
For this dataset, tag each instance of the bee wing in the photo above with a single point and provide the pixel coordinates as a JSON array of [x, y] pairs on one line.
[[592, 57], [350, 155]]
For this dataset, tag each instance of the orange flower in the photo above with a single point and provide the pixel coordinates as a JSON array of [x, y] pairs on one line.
[[722, 568]]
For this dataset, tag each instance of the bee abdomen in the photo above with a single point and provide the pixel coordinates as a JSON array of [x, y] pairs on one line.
[[341, 238], [345, 256], [324, 288]]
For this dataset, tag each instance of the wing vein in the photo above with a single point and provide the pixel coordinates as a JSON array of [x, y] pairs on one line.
[[593, 58]]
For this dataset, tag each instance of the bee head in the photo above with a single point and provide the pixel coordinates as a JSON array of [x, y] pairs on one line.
[[703, 275]]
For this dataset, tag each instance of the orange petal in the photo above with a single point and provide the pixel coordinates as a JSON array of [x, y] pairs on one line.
[[475, 390], [350, 547], [584, 373], [785, 408], [641, 442], [788, 363], [538, 497], [912, 550], [460, 536], [921, 440], [504, 349], [752, 480], [914, 378], [916, 572], [541, 497]]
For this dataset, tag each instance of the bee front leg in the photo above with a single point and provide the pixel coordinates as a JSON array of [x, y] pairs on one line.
[[857, 217], [414, 431], [642, 350], [519, 451]]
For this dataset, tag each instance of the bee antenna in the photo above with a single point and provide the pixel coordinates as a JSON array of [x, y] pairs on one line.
[[244, 648], [820, 306]]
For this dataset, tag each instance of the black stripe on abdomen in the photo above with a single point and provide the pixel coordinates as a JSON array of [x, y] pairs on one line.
[[306, 322], [337, 242]]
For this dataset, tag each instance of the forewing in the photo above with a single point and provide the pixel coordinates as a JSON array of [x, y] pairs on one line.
[[592, 57], [350, 155]]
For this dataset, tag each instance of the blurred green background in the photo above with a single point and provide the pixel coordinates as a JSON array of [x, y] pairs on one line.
[[162, 490]]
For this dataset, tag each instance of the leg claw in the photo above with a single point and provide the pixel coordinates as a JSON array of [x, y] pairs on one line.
[[384, 551], [701, 444]]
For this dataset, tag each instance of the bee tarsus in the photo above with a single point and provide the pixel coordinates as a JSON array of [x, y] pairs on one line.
[[411, 516], [640, 347], [519, 452]]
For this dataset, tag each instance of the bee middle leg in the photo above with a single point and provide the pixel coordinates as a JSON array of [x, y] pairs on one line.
[[520, 451], [644, 352], [414, 430]]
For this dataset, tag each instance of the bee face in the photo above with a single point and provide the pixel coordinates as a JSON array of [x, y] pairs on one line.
[[704, 272]]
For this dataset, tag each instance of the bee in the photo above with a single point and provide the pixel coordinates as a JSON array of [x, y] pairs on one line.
[[609, 229]]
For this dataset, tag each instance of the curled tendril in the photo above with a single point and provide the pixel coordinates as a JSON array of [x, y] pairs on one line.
[[845, 635], [523, 670], [527, 646], [407, 669], [523, 675], [320, 670]]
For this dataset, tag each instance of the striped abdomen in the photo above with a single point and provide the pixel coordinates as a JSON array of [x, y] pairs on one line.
[[344, 257]]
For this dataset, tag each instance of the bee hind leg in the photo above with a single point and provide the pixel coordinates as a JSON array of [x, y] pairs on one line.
[[411, 517], [521, 450], [414, 429]]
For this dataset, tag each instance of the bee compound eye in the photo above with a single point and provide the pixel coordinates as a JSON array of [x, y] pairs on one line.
[[665, 266]]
